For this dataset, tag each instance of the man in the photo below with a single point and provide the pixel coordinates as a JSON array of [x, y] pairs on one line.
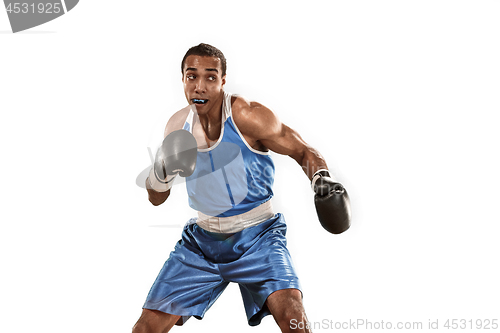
[[236, 237]]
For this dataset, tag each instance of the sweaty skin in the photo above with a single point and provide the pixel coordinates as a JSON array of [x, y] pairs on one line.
[[259, 126]]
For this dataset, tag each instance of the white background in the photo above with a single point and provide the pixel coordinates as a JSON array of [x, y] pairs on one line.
[[399, 96]]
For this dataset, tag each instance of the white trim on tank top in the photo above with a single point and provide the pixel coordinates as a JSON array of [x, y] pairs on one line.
[[227, 111], [241, 135], [190, 117]]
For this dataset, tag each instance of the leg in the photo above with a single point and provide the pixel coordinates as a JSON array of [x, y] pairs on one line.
[[287, 309], [152, 321], [188, 284]]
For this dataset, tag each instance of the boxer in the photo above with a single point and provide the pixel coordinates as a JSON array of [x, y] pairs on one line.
[[236, 237]]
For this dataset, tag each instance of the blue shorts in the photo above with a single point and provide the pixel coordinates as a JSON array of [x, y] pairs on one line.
[[203, 263]]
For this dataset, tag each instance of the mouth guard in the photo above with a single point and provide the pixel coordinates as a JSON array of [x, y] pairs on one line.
[[202, 101]]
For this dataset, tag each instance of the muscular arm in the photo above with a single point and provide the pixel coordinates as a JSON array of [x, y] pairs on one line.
[[263, 128], [261, 125], [288, 142], [174, 123]]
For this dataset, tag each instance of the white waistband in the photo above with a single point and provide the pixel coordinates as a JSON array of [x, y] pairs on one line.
[[236, 223]]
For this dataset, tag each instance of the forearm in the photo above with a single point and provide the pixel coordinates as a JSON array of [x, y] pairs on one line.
[[311, 161], [176, 156], [156, 198]]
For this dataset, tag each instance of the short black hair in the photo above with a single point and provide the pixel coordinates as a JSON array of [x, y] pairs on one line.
[[205, 50]]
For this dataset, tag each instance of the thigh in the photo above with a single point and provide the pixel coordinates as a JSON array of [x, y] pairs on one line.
[[188, 284], [264, 269]]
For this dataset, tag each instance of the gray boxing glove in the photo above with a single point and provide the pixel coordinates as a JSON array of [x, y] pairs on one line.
[[176, 156]]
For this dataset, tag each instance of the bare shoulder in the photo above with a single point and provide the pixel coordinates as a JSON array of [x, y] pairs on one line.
[[265, 130], [176, 121], [254, 119]]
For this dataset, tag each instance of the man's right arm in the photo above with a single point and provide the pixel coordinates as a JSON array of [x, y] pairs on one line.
[[156, 198], [157, 193]]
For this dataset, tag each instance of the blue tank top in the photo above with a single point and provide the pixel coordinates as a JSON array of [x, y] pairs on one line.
[[230, 177]]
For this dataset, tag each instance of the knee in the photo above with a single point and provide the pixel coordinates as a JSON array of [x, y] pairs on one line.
[[288, 311], [293, 319], [298, 326]]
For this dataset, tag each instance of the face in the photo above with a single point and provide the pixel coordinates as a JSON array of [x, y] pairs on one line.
[[203, 83]]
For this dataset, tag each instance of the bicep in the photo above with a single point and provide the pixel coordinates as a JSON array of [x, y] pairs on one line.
[[263, 125], [290, 143], [176, 122], [286, 141]]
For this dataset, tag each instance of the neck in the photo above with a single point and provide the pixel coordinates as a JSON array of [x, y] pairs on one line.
[[214, 115], [211, 121]]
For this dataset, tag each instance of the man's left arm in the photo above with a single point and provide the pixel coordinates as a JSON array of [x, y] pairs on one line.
[[331, 198]]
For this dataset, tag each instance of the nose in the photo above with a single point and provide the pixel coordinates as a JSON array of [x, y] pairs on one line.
[[200, 87]]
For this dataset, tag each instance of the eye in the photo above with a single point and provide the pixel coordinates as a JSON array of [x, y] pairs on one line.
[[190, 77], [212, 78]]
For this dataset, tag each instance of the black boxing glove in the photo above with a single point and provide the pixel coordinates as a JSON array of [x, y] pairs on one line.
[[332, 203]]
